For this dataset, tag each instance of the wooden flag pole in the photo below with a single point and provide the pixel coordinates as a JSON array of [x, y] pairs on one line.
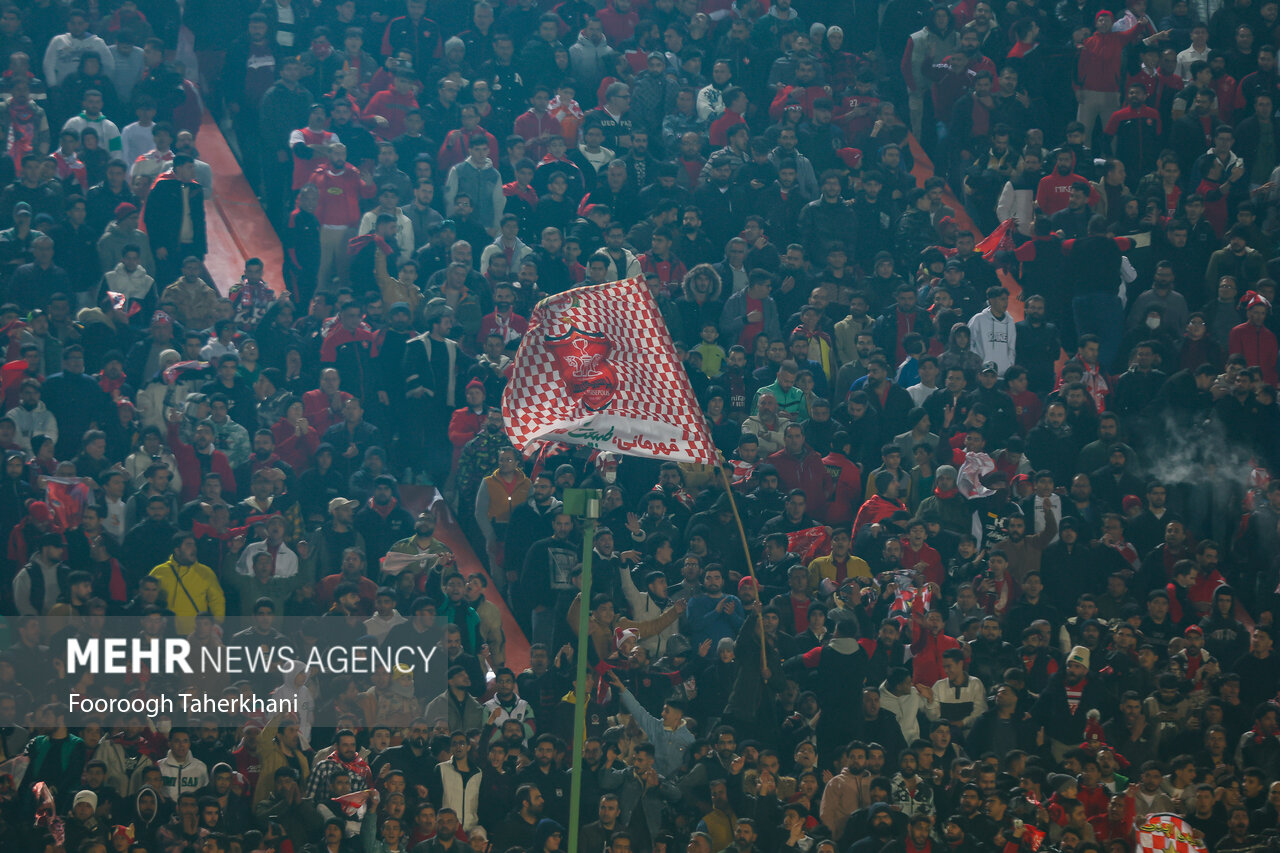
[[746, 550]]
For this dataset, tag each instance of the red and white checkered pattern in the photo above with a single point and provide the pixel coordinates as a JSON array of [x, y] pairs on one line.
[[1168, 832], [653, 411]]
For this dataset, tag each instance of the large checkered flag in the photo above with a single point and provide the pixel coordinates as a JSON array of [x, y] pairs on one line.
[[1163, 832], [597, 367]]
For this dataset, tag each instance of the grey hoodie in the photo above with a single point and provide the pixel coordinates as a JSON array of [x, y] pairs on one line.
[[112, 242], [589, 61]]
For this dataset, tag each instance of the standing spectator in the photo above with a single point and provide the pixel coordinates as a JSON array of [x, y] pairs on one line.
[[993, 332], [477, 179], [62, 56], [338, 212], [174, 219], [283, 109]]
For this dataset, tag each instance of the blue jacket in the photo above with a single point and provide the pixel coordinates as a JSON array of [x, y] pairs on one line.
[[708, 624], [669, 747]]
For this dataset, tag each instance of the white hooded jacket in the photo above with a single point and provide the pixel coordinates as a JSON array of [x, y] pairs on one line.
[[135, 285], [905, 708], [30, 423], [181, 776], [294, 686]]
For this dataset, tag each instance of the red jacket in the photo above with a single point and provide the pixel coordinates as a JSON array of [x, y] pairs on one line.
[[847, 491], [949, 86], [392, 106], [340, 194], [719, 131], [670, 272], [464, 425], [804, 96], [315, 406], [457, 147], [339, 335], [617, 26], [926, 654], [807, 474], [1098, 68], [192, 472], [292, 448], [530, 125], [512, 329], [928, 555], [1258, 346]]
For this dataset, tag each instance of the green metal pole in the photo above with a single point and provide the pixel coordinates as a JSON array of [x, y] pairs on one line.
[[580, 684]]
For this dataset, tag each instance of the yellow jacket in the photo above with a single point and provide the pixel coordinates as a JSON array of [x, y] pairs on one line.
[[190, 590], [273, 758]]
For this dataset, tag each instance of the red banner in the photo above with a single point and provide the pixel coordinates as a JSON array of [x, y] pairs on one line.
[[810, 543], [67, 497]]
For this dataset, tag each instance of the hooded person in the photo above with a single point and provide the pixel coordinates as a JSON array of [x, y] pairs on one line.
[[295, 687], [947, 502], [157, 394], [542, 832], [959, 353], [700, 304], [123, 231], [149, 814], [880, 826], [1253, 339]]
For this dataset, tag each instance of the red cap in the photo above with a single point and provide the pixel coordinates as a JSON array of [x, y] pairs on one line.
[[852, 157], [39, 510], [1102, 12], [746, 582], [124, 209], [1194, 629], [475, 383], [1130, 501]]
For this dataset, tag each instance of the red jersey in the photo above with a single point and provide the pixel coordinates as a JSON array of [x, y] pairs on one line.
[[340, 194]]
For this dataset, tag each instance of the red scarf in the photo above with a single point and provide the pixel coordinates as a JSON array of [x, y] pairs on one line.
[[106, 383], [382, 511], [357, 766], [1074, 694], [355, 244], [117, 589], [947, 495], [200, 530]]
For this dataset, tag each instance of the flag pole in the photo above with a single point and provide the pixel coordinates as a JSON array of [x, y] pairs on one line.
[[746, 550], [590, 514]]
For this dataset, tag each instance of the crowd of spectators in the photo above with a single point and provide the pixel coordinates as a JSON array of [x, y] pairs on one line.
[[1014, 567]]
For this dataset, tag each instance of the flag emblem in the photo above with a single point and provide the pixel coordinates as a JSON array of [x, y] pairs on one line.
[[583, 361]]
